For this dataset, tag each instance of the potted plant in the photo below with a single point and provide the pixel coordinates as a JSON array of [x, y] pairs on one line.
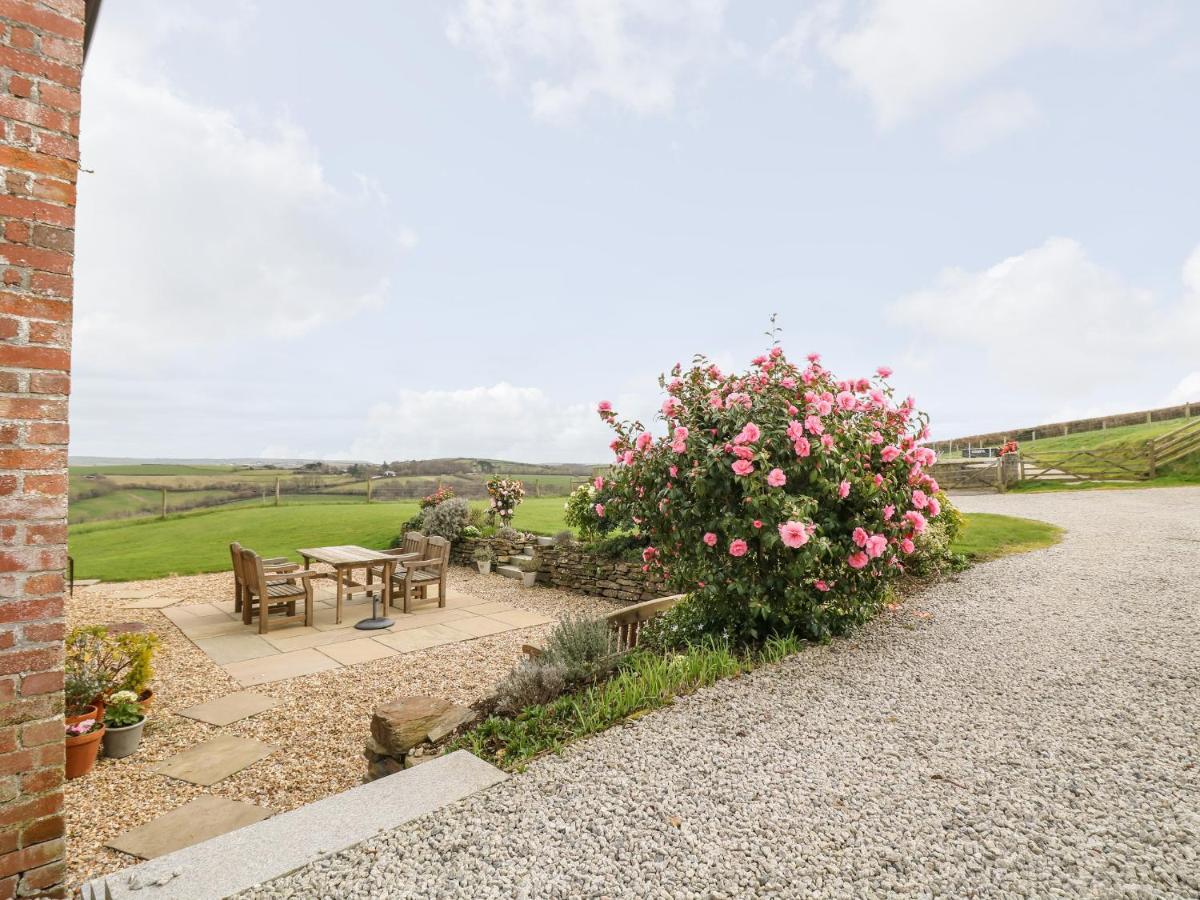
[[111, 662], [80, 688], [83, 743], [529, 570], [124, 720], [483, 557]]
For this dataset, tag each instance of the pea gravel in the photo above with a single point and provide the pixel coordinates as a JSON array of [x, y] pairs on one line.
[[1028, 728]]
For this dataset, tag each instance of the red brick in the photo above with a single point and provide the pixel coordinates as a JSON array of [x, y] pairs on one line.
[[21, 38], [46, 829], [8, 484], [36, 64], [41, 780], [19, 86], [22, 208], [7, 639], [61, 145], [36, 258], [32, 507], [47, 383], [30, 609], [12, 276], [8, 690], [10, 382], [44, 877], [13, 661], [52, 284], [8, 535], [32, 459], [31, 857], [43, 585], [58, 97], [9, 328], [17, 232], [38, 734], [33, 408], [34, 307], [41, 683], [10, 840], [52, 485], [48, 333], [54, 533], [26, 111], [42, 19], [43, 632], [16, 762], [41, 163], [60, 239], [25, 357]]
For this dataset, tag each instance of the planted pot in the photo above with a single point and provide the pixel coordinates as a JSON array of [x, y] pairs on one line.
[[121, 742], [81, 752], [146, 698], [528, 578], [89, 712], [484, 566]]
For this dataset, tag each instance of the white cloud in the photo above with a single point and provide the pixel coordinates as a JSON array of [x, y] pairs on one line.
[[500, 421], [1187, 391], [195, 228], [989, 119], [1049, 322], [634, 54], [905, 54]]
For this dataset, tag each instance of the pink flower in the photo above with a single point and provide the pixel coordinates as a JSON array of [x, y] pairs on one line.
[[907, 545], [649, 554], [919, 500], [750, 434], [814, 424], [890, 453], [876, 544], [681, 433], [824, 407], [674, 470], [679, 446], [793, 534], [888, 512], [743, 467], [935, 508], [710, 539], [883, 372], [821, 586], [599, 507], [925, 456], [715, 401], [802, 447], [795, 430], [827, 441], [776, 352], [742, 452], [776, 478], [858, 560], [814, 357], [915, 520], [643, 441], [844, 489], [878, 479], [670, 405], [846, 401], [875, 437], [859, 537], [758, 523], [738, 548], [627, 457], [603, 407], [598, 484]]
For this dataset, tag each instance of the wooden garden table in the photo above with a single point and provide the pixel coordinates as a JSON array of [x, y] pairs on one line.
[[345, 559]]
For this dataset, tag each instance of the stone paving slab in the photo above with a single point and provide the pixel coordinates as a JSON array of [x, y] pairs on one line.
[[237, 860], [214, 760], [279, 667], [481, 626], [136, 593], [197, 820], [231, 648], [230, 708], [350, 653], [520, 618], [149, 603]]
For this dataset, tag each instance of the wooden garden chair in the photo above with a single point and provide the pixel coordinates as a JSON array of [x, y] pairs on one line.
[[271, 565], [422, 574], [269, 593], [413, 548]]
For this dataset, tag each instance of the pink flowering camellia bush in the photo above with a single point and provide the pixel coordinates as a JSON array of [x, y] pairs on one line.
[[783, 499]]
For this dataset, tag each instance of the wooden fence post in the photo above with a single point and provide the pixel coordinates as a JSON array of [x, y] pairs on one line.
[[1153, 462], [370, 483], [163, 515], [276, 491]]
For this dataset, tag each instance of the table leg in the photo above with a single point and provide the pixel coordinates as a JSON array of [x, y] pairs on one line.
[[339, 574], [377, 621]]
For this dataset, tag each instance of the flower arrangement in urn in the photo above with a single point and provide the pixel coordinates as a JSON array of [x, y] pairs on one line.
[[506, 495], [123, 721]]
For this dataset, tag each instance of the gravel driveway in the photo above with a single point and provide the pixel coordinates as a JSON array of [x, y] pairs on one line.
[[1026, 729]]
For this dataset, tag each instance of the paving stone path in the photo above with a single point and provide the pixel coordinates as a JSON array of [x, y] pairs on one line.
[[1029, 728]]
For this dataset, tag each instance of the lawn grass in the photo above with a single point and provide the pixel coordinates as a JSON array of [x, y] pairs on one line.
[[987, 536]]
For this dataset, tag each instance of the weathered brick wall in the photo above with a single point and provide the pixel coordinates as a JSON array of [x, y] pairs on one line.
[[41, 55]]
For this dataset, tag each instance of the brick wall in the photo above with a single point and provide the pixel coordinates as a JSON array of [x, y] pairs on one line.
[[41, 55]]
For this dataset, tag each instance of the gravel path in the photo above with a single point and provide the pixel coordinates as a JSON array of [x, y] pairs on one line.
[[1026, 729]]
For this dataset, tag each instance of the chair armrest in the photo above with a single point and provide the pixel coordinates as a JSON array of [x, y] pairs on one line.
[[276, 577], [278, 561], [423, 564], [400, 554]]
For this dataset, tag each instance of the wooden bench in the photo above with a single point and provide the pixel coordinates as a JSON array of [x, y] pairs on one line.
[[625, 624]]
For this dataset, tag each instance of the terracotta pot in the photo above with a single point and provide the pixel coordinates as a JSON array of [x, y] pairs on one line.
[[81, 752], [90, 713], [146, 699]]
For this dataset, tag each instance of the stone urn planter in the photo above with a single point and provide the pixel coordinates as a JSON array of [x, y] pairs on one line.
[[529, 579], [82, 750], [121, 742], [484, 566]]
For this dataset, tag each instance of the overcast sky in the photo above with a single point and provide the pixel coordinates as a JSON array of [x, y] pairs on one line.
[[397, 230]]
